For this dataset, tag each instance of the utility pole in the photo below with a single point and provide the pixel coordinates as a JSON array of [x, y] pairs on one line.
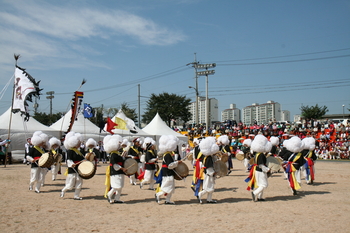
[[50, 97], [194, 65]]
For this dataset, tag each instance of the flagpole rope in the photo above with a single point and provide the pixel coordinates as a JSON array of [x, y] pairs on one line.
[[6, 86]]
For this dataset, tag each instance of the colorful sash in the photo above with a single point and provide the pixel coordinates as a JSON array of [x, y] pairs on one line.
[[290, 169], [251, 179]]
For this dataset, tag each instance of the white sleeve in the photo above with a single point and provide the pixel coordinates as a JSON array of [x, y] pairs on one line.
[[70, 163], [29, 158], [117, 167], [264, 168], [173, 165], [152, 160], [210, 171]]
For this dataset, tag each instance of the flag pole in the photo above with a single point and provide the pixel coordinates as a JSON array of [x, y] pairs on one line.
[[16, 56]]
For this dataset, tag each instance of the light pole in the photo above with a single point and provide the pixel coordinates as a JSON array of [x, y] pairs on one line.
[[196, 110], [343, 112], [206, 73], [50, 97]]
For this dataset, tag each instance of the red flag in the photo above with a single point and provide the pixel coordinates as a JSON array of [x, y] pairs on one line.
[[110, 125]]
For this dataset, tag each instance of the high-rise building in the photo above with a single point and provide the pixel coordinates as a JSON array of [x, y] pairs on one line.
[[231, 113], [213, 110], [262, 113]]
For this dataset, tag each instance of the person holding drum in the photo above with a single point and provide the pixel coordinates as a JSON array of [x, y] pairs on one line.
[[92, 153], [56, 151], [135, 152], [116, 172], [39, 140], [198, 171], [74, 158], [257, 179], [310, 157], [247, 155], [223, 142], [208, 147], [150, 165], [167, 145], [294, 160]]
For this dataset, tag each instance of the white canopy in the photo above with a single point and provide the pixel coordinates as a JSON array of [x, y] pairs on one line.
[[158, 127], [130, 125], [20, 130], [81, 125]]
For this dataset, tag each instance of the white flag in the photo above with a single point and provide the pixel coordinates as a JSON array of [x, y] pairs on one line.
[[23, 86]]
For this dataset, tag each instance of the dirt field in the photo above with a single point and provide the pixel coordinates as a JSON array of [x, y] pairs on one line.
[[322, 207]]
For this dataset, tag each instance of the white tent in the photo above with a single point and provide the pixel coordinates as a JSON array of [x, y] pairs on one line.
[[158, 127], [130, 124], [81, 125], [21, 130]]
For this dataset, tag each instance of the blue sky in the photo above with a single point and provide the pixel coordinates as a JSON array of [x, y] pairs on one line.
[[292, 52]]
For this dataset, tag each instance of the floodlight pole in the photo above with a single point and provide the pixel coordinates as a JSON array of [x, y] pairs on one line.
[[50, 97]]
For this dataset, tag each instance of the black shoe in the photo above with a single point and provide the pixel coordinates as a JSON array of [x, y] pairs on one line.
[[261, 199], [157, 198], [212, 202], [193, 189], [199, 200], [294, 192], [169, 203], [253, 197]]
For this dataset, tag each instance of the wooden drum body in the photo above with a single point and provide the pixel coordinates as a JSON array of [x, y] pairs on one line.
[[46, 160], [86, 169]]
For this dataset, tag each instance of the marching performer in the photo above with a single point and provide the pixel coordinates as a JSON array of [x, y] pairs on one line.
[[198, 171], [224, 147], [39, 140], [167, 145], [274, 141], [247, 154], [56, 151], [294, 160], [92, 153], [310, 158], [150, 165], [208, 147], [116, 171], [135, 152], [257, 179], [74, 158]]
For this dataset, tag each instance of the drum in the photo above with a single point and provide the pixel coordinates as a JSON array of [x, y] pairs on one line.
[[190, 156], [222, 156], [274, 164], [240, 156], [90, 156], [131, 166], [86, 169], [220, 168], [181, 171], [57, 158], [46, 160]]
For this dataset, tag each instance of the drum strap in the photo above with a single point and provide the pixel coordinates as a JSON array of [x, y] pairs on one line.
[[39, 149], [136, 150], [76, 151]]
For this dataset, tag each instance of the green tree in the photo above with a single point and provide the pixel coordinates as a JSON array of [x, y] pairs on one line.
[[313, 112], [129, 112], [168, 106], [46, 119]]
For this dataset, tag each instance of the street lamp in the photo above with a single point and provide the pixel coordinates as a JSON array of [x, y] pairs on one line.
[[196, 111], [343, 111], [50, 97], [206, 73]]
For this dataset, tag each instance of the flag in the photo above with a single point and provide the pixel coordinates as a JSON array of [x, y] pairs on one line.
[[25, 88], [110, 125], [75, 108], [88, 111], [121, 124]]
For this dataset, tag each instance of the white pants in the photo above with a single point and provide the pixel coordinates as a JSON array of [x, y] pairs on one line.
[[208, 187], [54, 170], [149, 177], [36, 175], [117, 184], [167, 187], [73, 180], [261, 179]]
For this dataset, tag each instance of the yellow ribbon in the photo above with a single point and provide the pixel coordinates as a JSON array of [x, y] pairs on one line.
[[39, 149], [107, 181]]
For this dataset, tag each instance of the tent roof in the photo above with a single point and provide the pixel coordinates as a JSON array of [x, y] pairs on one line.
[[81, 125], [158, 127]]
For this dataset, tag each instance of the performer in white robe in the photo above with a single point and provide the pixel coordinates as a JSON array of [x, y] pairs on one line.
[[208, 147], [167, 145], [74, 157], [150, 162], [39, 140], [56, 151]]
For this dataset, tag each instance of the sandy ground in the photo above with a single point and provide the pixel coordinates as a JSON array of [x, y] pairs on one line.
[[322, 207]]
